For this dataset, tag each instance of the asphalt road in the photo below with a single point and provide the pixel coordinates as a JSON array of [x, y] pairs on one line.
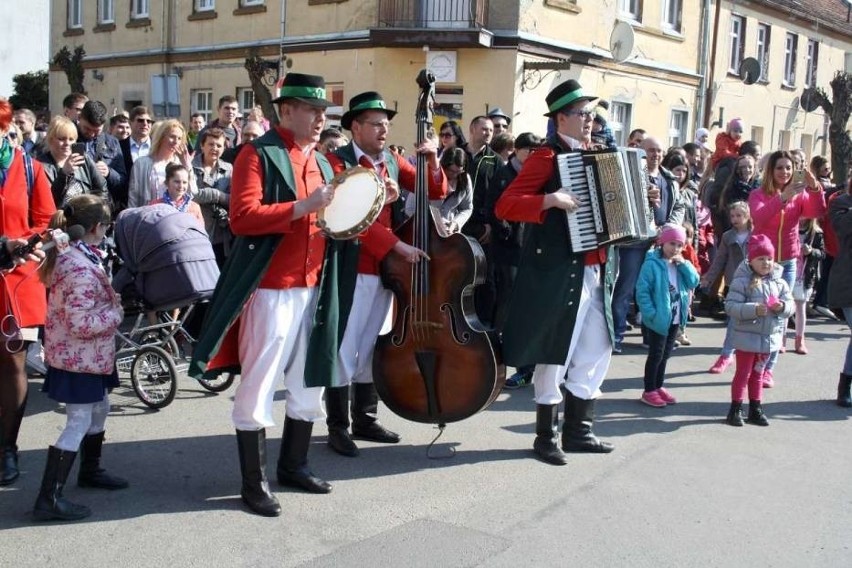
[[681, 489]]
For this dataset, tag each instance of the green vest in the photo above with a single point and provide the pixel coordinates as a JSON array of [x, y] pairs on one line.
[[249, 259]]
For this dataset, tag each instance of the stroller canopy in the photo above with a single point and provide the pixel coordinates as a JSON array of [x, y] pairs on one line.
[[167, 257]]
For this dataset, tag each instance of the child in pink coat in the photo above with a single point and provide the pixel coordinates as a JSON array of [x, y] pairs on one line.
[[83, 313]]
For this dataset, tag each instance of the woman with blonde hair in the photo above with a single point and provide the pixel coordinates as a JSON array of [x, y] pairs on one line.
[[70, 174], [148, 176]]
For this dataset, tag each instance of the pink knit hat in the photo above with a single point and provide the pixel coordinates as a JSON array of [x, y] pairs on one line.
[[735, 124], [671, 232], [760, 245]]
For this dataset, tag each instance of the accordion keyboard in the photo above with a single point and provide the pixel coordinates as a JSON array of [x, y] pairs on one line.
[[583, 226]]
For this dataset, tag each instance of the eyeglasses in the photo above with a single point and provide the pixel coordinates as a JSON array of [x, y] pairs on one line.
[[377, 123], [586, 114], [145, 120], [446, 134], [12, 135]]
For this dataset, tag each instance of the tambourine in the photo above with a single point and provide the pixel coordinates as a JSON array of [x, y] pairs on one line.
[[359, 195]]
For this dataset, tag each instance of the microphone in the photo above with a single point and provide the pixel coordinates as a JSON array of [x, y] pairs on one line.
[[57, 238]]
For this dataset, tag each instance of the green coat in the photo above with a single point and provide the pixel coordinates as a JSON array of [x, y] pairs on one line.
[[546, 294], [247, 263]]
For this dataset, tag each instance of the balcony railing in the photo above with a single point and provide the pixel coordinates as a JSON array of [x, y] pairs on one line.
[[443, 14]]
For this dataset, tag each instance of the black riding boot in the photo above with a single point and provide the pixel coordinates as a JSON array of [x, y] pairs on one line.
[[365, 424], [91, 474], [50, 505], [577, 433], [735, 414], [10, 465], [755, 414], [546, 428], [293, 461], [255, 492], [844, 398], [337, 408]]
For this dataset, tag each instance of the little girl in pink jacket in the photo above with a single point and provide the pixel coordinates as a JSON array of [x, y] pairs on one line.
[[83, 313]]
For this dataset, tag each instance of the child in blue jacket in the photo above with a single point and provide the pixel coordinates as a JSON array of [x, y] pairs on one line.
[[662, 294]]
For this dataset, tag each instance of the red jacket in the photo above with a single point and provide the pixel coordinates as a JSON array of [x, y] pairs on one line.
[[28, 297], [726, 147], [378, 240], [298, 259]]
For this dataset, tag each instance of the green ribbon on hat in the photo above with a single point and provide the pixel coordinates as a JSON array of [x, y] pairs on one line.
[[302, 92], [565, 100], [367, 105]]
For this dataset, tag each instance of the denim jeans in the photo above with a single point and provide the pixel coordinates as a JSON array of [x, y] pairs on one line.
[[659, 350], [630, 260], [847, 365], [789, 276]]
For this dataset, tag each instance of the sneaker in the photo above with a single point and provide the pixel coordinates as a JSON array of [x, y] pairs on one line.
[[618, 347], [653, 398], [518, 380], [722, 363], [825, 312], [35, 359], [666, 396], [683, 339], [768, 381]]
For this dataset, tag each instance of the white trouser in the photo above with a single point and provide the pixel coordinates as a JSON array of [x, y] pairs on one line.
[[371, 310], [274, 330], [82, 420], [589, 354]]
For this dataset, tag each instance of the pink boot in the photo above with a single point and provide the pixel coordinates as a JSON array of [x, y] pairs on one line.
[[720, 365], [801, 348], [767, 379]]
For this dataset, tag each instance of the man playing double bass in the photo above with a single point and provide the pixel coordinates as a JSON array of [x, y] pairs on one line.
[[271, 290], [368, 118], [559, 318]]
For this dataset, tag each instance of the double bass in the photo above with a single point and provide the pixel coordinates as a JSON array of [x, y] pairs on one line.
[[439, 363]]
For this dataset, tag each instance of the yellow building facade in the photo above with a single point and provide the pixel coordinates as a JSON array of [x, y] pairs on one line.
[[650, 58]]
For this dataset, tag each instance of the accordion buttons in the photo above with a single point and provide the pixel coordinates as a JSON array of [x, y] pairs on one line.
[[251, 247], [538, 251]]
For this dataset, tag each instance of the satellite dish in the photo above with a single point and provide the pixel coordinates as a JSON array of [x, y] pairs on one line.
[[809, 100], [621, 42], [750, 70]]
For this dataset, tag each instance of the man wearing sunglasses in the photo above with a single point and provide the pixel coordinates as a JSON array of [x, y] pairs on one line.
[[565, 332], [138, 144]]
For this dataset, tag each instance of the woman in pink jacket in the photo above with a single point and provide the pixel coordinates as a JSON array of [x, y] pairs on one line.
[[776, 207], [83, 313]]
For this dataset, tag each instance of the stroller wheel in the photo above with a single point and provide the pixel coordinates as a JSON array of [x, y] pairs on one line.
[[219, 384], [154, 376]]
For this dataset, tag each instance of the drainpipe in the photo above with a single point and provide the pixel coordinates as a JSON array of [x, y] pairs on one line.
[[281, 39], [701, 98], [713, 48]]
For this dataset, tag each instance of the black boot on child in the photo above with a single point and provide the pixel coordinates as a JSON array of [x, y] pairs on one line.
[[755, 414], [50, 504], [735, 414], [91, 473], [844, 397]]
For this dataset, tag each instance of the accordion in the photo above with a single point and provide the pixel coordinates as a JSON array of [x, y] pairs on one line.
[[612, 189]]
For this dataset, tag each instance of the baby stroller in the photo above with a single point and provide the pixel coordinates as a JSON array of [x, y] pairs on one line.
[[168, 268]]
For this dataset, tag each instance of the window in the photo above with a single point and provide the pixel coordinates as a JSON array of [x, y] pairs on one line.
[[763, 33], [139, 9], [811, 63], [205, 5], [790, 49], [75, 14], [631, 9], [244, 3], [202, 102], [737, 44], [807, 145], [671, 15], [784, 139], [677, 128], [245, 98], [757, 135], [106, 11], [619, 121]]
